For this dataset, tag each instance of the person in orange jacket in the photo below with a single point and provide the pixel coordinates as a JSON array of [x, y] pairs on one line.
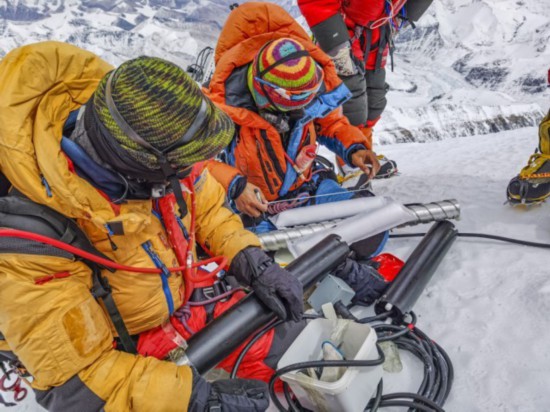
[[283, 94], [117, 156]]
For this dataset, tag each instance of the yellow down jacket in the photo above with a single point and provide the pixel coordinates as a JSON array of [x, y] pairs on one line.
[[57, 329]]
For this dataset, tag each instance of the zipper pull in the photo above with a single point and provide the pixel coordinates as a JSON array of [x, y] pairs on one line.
[[46, 186], [114, 247], [111, 242], [148, 246]]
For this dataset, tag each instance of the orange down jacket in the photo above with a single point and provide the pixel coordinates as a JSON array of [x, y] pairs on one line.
[[257, 150]]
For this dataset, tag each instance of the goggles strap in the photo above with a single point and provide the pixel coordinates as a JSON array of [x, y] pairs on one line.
[[291, 56], [264, 90], [121, 122], [132, 134], [172, 178], [193, 129]]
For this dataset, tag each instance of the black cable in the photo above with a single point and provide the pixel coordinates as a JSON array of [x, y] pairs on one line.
[[447, 360], [506, 239], [343, 311], [257, 337], [196, 70], [318, 364], [370, 319], [414, 397], [483, 236], [378, 397], [399, 332], [288, 397], [438, 371], [408, 404], [251, 342]]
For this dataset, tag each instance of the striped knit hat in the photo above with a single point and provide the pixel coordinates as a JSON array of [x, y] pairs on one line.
[[283, 76], [160, 102]]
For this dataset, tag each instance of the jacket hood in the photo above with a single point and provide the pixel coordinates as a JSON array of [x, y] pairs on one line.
[[40, 85]]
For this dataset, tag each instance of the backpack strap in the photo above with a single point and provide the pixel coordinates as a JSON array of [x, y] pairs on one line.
[[18, 212], [102, 290]]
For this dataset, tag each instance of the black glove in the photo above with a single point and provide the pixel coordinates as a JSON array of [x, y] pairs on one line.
[[363, 278], [228, 395], [278, 289]]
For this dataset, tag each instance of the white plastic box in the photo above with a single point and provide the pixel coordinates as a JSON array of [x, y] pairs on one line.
[[351, 393]]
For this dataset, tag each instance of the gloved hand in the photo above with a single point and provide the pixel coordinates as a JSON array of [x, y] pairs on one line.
[[277, 288], [341, 56], [228, 395], [364, 279]]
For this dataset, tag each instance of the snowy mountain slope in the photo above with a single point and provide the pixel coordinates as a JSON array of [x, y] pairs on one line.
[[118, 29], [487, 303], [469, 67]]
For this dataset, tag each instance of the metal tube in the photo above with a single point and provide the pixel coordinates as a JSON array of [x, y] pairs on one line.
[[278, 238], [418, 270], [358, 227], [226, 333], [422, 213], [434, 212]]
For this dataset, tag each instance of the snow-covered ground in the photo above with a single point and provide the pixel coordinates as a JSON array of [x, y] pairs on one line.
[[487, 304]]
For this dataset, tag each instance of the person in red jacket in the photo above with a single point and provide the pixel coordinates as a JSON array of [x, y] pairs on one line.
[[358, 36]]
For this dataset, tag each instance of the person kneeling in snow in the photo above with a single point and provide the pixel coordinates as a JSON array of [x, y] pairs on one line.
[[114, 155], [532, 185], [284, 95]]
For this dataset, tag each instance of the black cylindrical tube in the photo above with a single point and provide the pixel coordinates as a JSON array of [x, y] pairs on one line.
[[224, 334], [418, 270]]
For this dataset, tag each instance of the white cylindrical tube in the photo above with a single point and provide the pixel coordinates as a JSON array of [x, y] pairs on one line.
[[328, 211], [359, 227]]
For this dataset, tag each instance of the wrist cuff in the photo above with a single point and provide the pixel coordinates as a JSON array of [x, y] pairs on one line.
[[237, 186], [351, 150], [331, 33]]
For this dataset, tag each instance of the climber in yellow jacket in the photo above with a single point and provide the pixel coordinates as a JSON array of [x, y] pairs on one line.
[[118, 152]]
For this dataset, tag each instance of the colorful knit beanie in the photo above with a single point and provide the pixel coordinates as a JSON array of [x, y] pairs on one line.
[[161, 103], [283, 76]]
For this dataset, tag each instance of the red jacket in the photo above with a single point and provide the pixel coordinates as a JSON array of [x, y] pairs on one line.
[[355, 13]]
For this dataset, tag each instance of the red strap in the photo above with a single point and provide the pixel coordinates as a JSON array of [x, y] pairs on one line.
[[45, 279]]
